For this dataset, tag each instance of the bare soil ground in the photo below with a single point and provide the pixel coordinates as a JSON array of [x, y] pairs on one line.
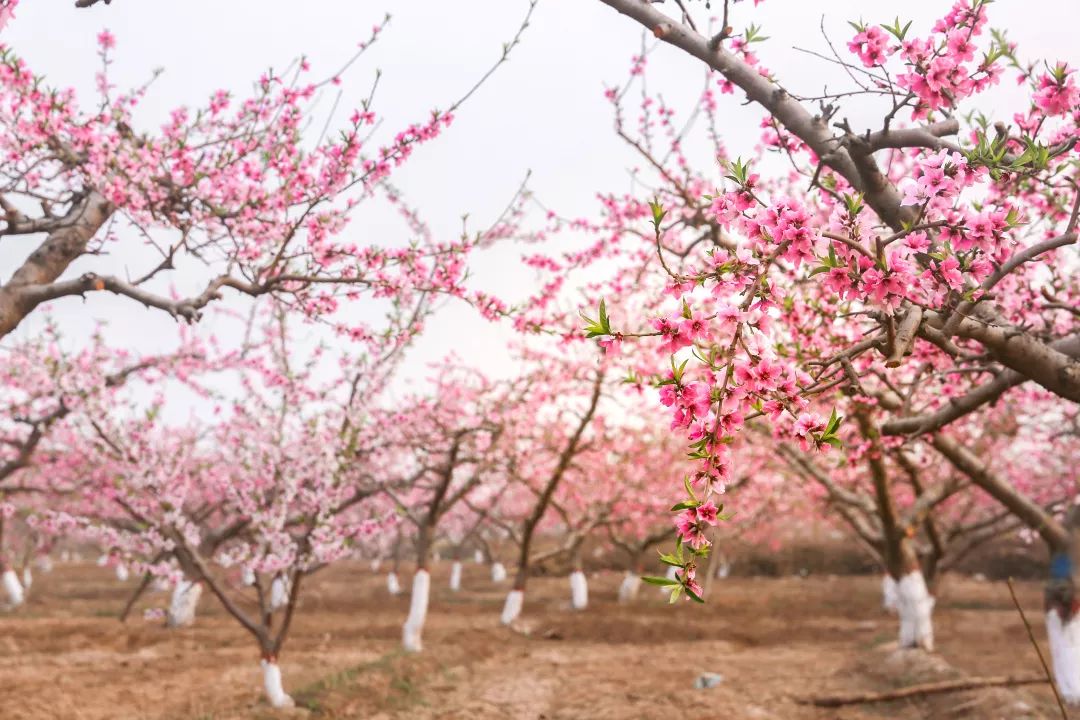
[[65, 656]]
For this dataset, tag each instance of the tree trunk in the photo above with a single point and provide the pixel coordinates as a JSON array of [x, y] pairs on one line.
[[628, 590], [1062, 616], [393, 586], [889, 598], [12, 588], [515, 599], [915, 606], [498, 572], [455, 576], [579, 584], [279, 593], [185, 600], [275, 693], [631, 584], [412, 631]]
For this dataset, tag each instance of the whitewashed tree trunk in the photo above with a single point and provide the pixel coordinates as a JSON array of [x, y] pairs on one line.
[[376, 564], [455, 576], [392, 585], [628, 590], [915, 606], [13, 589], [275, 693], [27, 577], [579, 590], [122, 573], [279, 593], [512, 609], [724, 569], [498, 572], [248, 577], [889, 599], [1064, 635], [45, 564], [185, 599], [478, 557], [413, 630]]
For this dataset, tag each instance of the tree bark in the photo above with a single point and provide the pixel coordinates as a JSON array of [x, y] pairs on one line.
[[52, 257]]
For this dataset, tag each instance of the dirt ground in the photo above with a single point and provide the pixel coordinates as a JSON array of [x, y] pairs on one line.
[[65, 656]]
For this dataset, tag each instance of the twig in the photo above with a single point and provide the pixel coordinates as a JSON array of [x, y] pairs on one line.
[[924, 689], [1042, 660]]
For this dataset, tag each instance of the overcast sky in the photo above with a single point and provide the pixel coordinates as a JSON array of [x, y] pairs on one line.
[[544, 111]]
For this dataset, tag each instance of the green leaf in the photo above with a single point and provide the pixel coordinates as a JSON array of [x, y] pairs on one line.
[[658, 213], [659, 581], [689, 487], [752, 35], [833, 424]]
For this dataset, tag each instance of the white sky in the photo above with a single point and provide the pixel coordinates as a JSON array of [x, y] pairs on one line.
[[543, 111]]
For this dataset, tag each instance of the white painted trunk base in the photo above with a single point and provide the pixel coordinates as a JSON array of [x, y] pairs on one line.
[[628, 590], [247, 577], [915, 606], [27, 577], [478, 557], [498, 573], [418, 605], [724, 570], [279, 593], [45, 564], [889, 598], [122, 573], [455, 576], [512, 609], [12, 588], [579, 590], [392, 584], [1064, 639], [185, 599], [275, 693]]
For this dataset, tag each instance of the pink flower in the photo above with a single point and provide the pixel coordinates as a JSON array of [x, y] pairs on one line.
[[806, 425], [1057, 93], [690, 530], [706, 513], [871, 45], [7, 11], [106, 40], [612, 346]]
